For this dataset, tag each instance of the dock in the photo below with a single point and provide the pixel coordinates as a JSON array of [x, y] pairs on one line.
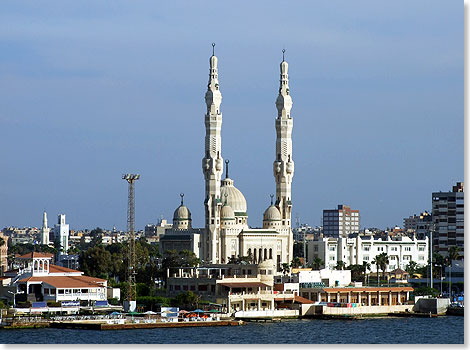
[[106, 326]]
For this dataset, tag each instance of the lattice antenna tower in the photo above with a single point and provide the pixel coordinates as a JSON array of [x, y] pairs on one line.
[[131, 179]]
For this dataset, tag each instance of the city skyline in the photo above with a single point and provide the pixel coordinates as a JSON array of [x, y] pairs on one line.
[[377, 108]]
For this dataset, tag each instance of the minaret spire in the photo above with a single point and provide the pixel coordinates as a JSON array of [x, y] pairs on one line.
[[212, 164], [226, 168], [272, 196], [182, 196], [284, 164], [45, 230]]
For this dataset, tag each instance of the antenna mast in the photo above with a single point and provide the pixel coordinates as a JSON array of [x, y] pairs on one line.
[[131, 297]]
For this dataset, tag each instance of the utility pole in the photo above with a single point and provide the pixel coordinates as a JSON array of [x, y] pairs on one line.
[[131, 297]]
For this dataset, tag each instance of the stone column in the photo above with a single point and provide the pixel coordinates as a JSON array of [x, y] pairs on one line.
[[359, 298], [390, 298], [338, 295], [399, 298], [380, 301], [327, 297], [349, 297], [368, 299], [259, 302]]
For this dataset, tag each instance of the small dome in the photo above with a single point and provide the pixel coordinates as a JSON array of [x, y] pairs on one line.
[[182, 213], [272, 214], [234, 198], [227, 212]]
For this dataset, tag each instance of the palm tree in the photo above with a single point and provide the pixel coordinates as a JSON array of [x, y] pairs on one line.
[[381, 262], [411, 268], [340, 265], [454, 252], [295, 262], [317, 263]]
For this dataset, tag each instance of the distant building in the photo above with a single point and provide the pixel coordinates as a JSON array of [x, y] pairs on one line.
[[61, 232], [448, 219], [357, 249], [341, 221], [418, 223]]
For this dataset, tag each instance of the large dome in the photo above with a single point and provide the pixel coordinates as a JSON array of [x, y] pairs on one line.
[[232, 196], [182, 213], [272, 214]]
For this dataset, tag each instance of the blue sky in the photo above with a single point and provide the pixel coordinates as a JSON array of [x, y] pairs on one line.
[[92, 89]]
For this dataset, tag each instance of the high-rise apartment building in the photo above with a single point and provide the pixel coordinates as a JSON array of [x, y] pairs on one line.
[[420, 224], [448, 219], [341, 221]]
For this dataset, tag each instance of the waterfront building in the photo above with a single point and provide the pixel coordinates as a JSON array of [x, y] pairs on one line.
[[367, 296], [341, 221], [61, 233], [247, 291], [226, 234], [37, 279], [448, 219], [357, 248]]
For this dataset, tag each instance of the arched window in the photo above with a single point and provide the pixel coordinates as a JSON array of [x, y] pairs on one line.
[[265, 253], [270, 253]]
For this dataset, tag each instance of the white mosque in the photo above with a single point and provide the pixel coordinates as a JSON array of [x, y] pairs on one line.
[[226, 233]]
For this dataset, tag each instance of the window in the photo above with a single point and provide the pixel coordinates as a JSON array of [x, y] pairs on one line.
[[315, 248], [331, 248], [407, 249], [421, 248], [366, 248], [421, 257], [366, 258], [332, 257]]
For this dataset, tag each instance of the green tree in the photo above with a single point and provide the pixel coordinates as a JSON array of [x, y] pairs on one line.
[[356, 272], [296, 262], [317, 263], [340, 265], [381, 261], [95, 262], [411, 268], [285, 268], [454, 252]]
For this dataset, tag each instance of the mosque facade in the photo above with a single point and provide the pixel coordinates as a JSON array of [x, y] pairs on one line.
[[226, 234]]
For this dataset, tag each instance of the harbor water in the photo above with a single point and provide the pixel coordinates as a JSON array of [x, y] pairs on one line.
[[389, 330]]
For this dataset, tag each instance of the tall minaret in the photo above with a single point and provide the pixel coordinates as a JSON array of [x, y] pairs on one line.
[[212, 165], [45, 230], [284, 164]]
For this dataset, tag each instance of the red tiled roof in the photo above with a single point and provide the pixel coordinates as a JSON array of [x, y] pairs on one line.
[[56, 268], [301, 300], [67, 281], [32, 255]]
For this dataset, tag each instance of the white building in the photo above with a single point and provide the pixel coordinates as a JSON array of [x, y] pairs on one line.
[[359, 248], [226, 233], [61, 231], [341, 221], [39, 280]]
